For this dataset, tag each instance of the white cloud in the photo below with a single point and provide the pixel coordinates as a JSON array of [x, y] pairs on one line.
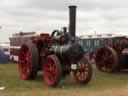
[[5, 4], [47, 15]]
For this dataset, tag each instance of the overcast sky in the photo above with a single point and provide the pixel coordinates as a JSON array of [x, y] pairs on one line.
[[102, 16]]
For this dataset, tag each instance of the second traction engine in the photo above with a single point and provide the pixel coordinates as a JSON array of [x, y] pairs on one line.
[[113, 55], [56, 55]]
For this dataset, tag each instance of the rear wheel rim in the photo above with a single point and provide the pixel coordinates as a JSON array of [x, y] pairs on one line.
[[24, 62], [50, 71]]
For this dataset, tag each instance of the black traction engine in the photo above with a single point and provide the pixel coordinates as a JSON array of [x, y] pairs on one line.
[[56, 55]]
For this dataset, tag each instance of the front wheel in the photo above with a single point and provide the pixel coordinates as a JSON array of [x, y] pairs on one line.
[[52, 71], [83, 73]]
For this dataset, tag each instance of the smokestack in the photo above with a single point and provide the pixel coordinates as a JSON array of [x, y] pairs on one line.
[[72, 21]]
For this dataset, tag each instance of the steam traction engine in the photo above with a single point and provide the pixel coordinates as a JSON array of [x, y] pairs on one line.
[[56, 55], [113, 55]]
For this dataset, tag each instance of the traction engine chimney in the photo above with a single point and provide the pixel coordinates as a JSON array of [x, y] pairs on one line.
[[72, 21]]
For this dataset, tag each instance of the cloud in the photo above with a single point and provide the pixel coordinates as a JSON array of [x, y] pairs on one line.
[[46, 15]]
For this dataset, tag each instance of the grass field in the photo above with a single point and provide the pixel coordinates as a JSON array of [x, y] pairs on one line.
[[102, 84]]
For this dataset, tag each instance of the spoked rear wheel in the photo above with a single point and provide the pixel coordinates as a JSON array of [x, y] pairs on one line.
[[83, 73], [28, 61], [107, 60], [52, 71]]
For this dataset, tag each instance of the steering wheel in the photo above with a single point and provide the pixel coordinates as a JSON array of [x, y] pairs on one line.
[[57, 32]]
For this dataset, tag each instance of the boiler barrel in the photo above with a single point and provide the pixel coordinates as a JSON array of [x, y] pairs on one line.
[[70, 51]]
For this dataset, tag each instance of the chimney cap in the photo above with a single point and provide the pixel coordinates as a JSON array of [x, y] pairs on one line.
[[72, 6]]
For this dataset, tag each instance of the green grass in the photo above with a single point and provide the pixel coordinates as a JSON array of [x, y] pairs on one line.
[[101, 84]]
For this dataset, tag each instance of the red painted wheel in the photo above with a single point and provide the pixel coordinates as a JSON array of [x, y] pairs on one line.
[[83, 73], [107, 60], [52, 71], [28, 61]]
